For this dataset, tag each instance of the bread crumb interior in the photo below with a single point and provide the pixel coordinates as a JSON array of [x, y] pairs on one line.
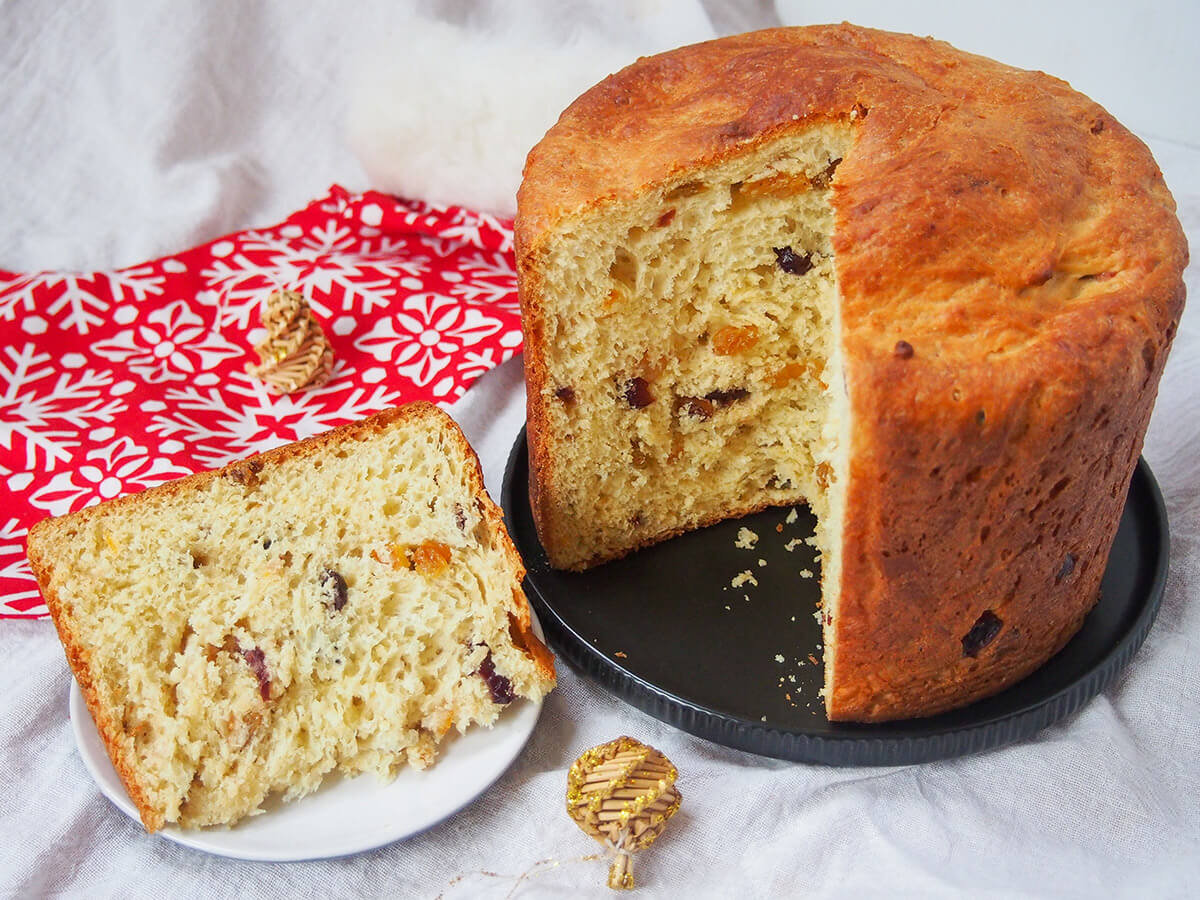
[[334, 611], [693, 361]]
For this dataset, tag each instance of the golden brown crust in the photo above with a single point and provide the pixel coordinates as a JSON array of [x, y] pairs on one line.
[[79, 660], [41, 539], [1015, 235], [520, 610]]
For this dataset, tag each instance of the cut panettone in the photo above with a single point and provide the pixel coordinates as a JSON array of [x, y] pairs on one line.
[[927, 293], [336, 604]]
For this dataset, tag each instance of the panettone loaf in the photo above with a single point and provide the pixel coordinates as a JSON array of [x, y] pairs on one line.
[[927, 293], [335, 604]]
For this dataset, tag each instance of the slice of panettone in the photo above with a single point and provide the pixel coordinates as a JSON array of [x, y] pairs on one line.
[[337, 604]]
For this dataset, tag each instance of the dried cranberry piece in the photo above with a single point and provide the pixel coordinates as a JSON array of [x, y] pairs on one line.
[[638, 453], [724, 398], [1068, 567], [792, 262], [637, 393], [335, 586], [499, 686], [696, 407], [245, 472], [982, 633], [736, 130], [257, 661], [566, 395], [821, 179]]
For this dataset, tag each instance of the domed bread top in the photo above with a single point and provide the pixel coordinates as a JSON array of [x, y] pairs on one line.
[[980, 205]]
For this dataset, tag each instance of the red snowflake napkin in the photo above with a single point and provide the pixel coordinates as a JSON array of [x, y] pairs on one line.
[[111, 382]]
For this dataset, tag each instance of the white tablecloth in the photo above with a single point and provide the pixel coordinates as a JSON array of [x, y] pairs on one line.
[[135, 132]]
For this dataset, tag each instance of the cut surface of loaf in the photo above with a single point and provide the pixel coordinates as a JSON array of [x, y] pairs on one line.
[[714, 336], [336, 604], [927, 293]]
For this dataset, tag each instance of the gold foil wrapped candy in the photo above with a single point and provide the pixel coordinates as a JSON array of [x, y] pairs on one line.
[[622, 793], [295, 352]]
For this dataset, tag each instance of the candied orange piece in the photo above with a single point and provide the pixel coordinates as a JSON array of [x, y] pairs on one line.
[[734, 339], [397, 556], [795, 369], [431, 557], [824, 475], [789, 373], [524, 639], [652, 365], [782, 184]]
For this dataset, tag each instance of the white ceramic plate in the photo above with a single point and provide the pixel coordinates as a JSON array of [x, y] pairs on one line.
[[345, 815]]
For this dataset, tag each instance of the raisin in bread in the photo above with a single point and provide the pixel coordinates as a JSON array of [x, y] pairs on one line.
[[336, 604], [927, 293]]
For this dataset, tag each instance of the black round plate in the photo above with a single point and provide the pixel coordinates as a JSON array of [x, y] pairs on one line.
[[666, 630]]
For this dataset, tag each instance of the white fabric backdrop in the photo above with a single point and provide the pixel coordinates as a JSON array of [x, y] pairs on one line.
[[137, 129]]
